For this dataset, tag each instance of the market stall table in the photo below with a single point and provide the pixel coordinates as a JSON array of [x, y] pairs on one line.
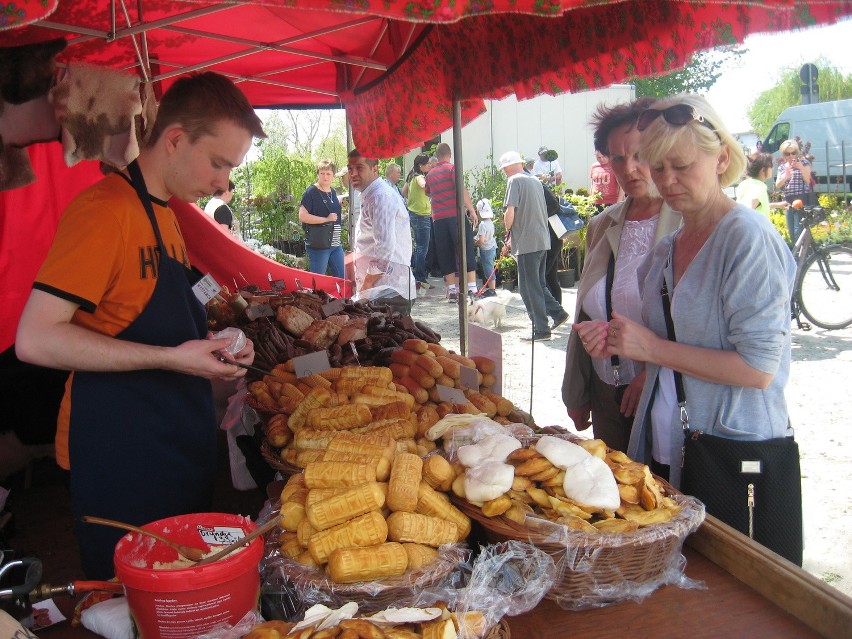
[[727, 607]]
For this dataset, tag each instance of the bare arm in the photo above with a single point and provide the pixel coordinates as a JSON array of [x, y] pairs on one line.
[[509, 217], [470, 208], [46, 337], [310, 218]]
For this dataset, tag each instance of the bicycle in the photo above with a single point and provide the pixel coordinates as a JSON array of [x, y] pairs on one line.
[[823, 286]]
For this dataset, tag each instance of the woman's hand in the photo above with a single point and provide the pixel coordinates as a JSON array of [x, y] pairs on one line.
[[582, 416], [629, 339], [593, 335], [632, 393]]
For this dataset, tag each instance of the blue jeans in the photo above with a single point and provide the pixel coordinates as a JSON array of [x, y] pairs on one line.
[[322, 259], [534, 293], [421, 226], [794, 224], [487, 256]]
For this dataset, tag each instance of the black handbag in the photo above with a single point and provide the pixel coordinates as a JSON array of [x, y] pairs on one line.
[[753, 486], [319, 236]]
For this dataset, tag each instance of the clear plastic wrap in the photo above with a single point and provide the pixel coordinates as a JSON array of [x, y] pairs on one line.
[[289, 588], [503, 579], [595, 570], [477, 429]]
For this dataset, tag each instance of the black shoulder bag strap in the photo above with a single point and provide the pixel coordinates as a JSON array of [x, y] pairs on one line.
[[614, 361], [678, 378]]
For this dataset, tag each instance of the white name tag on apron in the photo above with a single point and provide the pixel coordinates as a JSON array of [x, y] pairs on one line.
[[206, 289]]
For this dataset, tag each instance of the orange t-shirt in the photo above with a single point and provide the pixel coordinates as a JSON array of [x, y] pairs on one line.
[[105, 258]]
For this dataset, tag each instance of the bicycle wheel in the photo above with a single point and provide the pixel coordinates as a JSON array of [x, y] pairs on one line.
[[824, 287]]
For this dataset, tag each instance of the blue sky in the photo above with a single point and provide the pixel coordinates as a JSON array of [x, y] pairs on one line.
[[769, 56]]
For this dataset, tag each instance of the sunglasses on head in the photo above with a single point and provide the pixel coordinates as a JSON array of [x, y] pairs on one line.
[[677, 115]]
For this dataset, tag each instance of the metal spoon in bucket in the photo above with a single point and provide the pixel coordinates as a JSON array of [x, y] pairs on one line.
[[227, 550], [189, 552]]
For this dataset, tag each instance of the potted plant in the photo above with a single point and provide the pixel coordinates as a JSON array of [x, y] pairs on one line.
[[508, 269]]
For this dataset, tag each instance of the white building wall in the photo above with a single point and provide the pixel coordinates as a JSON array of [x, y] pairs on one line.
[[560, 122]]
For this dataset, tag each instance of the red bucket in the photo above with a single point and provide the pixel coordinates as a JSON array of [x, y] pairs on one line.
[[181, 603]]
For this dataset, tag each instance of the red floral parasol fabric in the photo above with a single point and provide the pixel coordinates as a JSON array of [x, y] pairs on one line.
[[397, 65]]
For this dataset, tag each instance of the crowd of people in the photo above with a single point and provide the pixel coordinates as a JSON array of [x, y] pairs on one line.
[[683, 301]]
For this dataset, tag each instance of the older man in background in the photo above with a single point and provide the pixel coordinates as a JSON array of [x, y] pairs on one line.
[[529, 240], [382, 239]]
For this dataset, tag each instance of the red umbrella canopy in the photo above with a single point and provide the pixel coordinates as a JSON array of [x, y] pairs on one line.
[[396, 74]]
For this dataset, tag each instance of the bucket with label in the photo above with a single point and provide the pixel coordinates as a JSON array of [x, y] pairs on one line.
[[169, 597]]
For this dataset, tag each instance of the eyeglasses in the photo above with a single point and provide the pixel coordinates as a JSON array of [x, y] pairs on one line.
[[676, 115], [789, 153]]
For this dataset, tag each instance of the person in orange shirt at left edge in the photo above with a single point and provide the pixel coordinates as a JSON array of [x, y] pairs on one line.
[[114, 303]]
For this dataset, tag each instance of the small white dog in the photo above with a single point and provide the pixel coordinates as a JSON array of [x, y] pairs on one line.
[[489, 310]]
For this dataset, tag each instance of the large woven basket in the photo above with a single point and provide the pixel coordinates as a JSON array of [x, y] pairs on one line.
[[597, 569], [311, 585]]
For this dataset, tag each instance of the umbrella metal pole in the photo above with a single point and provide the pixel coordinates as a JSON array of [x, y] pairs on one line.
[[460, 219]]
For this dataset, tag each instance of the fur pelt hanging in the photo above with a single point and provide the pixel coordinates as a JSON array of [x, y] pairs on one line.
[[97, 109], [26, 75]]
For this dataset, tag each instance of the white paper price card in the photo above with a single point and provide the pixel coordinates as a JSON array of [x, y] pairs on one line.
[[206, 289], [312, 363], [450, 394], [255, 311], [469, 378], [220, 535]]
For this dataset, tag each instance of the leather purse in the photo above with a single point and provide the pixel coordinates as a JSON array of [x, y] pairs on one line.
[[753, 486]]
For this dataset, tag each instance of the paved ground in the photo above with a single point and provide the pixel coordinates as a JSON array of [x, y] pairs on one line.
[[817, 395]]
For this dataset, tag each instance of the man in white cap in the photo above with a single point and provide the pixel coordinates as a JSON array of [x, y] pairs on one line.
[[548, 171], [529, 241]]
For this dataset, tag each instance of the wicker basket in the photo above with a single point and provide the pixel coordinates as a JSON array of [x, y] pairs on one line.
[[273, 458], [311, 585], [594, 569], [499, 631]]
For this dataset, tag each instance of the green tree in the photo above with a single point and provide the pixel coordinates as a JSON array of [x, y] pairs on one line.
[[833, 85], [699, 74]]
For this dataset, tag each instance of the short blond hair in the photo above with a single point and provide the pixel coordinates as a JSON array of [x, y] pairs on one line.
[[326, 165], [788, 144], [661, 137]]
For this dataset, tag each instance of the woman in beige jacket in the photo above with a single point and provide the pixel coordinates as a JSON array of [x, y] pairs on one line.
[[604, 393]]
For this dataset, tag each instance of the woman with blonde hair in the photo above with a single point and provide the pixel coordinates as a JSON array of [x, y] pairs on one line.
[[715, 306], [794, 176]]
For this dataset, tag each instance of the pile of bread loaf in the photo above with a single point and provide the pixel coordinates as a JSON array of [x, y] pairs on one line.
[[394, 623], [303, 414], [365, 510], [580, 484]]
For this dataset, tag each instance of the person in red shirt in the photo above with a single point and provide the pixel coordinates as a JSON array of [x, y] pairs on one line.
[[441, 188], [603, 183]]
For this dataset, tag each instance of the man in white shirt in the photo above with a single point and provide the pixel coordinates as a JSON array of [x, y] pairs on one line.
[[218, 208], [382, 247], [548, 171]]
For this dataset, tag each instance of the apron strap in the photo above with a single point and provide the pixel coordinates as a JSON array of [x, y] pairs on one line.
[[138, 183]]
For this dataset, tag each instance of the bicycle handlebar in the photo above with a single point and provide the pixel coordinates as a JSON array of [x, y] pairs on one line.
[[813, 215]]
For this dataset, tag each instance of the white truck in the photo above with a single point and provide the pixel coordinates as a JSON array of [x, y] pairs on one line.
[[828, 127]]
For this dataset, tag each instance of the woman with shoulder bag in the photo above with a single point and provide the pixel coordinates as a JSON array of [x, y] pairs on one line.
[[716, 341], [319, 214], [617, 240]]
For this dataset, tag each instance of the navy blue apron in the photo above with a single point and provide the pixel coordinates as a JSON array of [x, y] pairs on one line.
[[142, 444]]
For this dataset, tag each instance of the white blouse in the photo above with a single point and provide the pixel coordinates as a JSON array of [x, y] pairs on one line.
[[637, 240]]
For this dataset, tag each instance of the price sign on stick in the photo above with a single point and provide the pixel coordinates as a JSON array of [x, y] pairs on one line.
[[206, 289], [469, 378], [312, 363], [450, 394]]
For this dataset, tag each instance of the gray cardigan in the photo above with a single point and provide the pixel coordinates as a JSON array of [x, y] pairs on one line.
[[735, 295], [602, 239]]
